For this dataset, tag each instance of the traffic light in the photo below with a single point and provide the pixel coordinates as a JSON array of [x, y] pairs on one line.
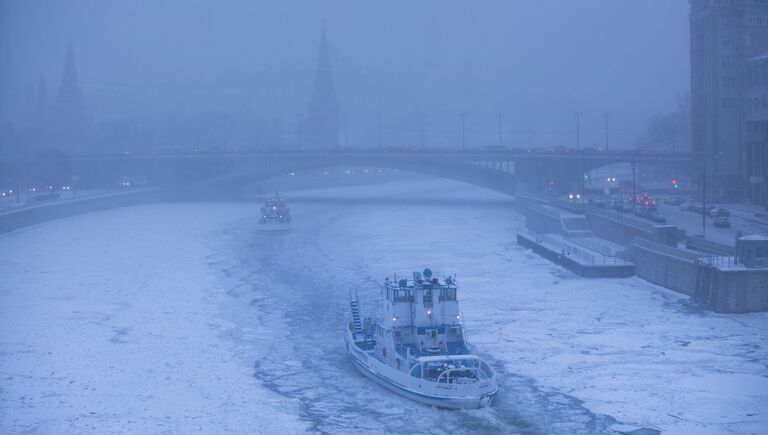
[[675, 184]]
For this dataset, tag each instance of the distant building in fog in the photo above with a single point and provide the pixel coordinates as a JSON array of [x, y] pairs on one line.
[[725, 36], [322, 125], [69, 123]]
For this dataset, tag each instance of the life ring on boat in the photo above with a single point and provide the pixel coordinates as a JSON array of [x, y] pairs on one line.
[[384, 351]]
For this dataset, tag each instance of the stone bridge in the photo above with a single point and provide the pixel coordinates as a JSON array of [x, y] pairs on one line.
[[500, 170]]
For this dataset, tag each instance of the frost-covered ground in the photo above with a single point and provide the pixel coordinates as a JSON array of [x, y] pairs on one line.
[[184, 318]]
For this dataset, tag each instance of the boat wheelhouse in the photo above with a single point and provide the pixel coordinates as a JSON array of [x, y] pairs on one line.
[[275, 215], [417, 345]]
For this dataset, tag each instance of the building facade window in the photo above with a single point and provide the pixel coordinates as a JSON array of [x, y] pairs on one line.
[[757, 20], [722, 3], [762, 78], [728, 62], [729, 82], [758, 41], [729, 21]]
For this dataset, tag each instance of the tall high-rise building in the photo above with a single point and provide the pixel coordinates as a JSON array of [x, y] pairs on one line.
[[725, 36], [756, 135], [322, 125]]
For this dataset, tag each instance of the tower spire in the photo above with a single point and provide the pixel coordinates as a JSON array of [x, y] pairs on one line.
[[323, 119], [69, 115], [69, 79]]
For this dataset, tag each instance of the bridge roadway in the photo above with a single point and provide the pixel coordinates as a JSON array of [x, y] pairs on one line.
[[497, 169], [474, 154]]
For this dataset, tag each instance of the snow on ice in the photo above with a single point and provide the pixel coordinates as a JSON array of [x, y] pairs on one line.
[[181, 318]]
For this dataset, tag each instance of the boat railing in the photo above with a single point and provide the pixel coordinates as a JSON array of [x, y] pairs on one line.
[[462, 375], [402, 350], [486, 369], [405, 351]]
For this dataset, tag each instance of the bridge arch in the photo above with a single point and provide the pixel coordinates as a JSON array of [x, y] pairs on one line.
[[495, 179]]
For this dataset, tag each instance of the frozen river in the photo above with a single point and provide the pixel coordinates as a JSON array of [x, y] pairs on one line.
[[182, 318]]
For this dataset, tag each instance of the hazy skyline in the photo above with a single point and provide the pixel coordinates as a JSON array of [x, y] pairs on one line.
[[536, 61]]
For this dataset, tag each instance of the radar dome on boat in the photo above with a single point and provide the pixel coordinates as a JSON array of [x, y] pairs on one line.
[[403, 283], [427, 273]]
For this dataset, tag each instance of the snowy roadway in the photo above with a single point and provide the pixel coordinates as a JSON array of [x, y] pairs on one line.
[[691, 223], [182, 318]]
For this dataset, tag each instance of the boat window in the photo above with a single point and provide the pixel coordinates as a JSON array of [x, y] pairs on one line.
[[416, 371], [447, 294], [402, 296], [428, 297]]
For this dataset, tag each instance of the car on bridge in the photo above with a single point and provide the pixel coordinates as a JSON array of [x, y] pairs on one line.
[[574, 197], [5, 192]]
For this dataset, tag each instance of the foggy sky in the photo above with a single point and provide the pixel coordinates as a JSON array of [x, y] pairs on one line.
[[537, 61]]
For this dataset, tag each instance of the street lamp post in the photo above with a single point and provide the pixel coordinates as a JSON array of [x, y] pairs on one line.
[[578, 151], [298, 131], [18, 183], [463, 116], [703, 196], [634, 181], [346, 132], [704, 191], [499, 117], [421, 131]]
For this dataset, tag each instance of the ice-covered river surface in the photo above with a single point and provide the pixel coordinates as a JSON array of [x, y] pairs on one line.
[[183, 318]]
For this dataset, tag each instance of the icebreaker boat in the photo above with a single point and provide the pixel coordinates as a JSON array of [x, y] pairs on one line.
[[417, 348], [275, 215]]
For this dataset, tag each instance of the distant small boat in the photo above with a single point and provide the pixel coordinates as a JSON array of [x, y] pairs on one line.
[[417, 347], [275, 215]]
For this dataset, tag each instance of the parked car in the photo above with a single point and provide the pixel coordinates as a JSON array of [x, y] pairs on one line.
[[620, 205], [721, 212], [721, 222], [674, 200], [712, 211], [599, 201], [650, 214], [46, 196]]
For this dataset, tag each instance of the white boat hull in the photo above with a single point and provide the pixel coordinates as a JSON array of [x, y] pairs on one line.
[[420, 390]]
